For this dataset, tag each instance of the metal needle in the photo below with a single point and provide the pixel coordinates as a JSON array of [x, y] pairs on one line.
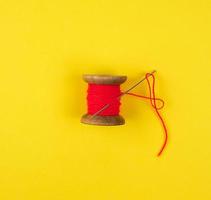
[[122, 94]]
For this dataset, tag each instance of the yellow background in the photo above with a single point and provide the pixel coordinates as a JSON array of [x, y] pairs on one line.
[[45, 47]]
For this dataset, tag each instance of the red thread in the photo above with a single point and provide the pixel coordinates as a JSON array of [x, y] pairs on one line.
[[100, 95], [153, 100]]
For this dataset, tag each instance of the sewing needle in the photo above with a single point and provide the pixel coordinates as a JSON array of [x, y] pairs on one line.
[[122, 94]]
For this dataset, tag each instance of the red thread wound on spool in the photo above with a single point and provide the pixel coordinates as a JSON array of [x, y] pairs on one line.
[[100, 95]]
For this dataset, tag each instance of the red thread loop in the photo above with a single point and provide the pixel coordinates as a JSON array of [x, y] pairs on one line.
[[156, 108], [100, 95]]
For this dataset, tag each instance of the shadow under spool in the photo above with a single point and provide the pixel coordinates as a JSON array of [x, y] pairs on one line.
[[103, 120]]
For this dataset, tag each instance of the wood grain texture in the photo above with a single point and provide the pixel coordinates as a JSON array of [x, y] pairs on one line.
[[104, 79], [103, 120]]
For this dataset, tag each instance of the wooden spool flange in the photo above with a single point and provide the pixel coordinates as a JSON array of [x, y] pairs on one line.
[[103, 120]]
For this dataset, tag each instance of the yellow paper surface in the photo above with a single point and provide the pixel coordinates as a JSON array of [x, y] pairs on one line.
[[46, 46]]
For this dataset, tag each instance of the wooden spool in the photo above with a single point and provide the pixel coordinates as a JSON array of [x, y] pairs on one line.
[[103, 120]]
